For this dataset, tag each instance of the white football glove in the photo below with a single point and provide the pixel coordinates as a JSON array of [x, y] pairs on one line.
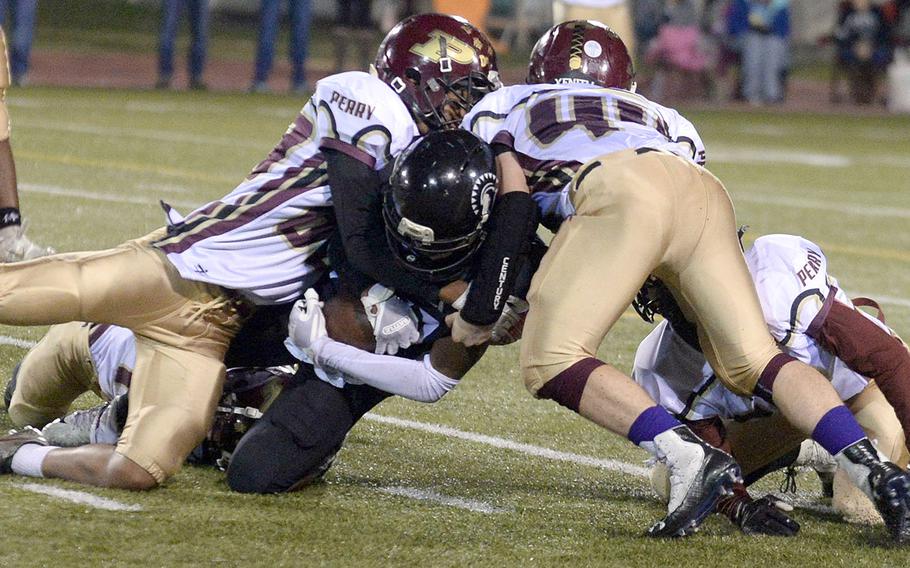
[[393, 320], [510, 324], [305, 325]]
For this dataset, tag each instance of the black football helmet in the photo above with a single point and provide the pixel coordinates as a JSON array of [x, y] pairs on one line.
[[438, 201], [432, 60]]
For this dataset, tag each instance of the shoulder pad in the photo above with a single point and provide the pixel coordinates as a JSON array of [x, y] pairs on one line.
[[360, 115]]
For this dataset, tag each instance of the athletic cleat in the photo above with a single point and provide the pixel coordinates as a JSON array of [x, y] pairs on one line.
[[886, 484], [100, 424], [11, 387], [11, 443], [15, 246], [891, 495], [699, 476]]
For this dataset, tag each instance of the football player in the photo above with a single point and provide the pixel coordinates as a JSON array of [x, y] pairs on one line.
[[14, 245], [436, 212], [186, 290], [811, 318], [295, 441], [625, 177]]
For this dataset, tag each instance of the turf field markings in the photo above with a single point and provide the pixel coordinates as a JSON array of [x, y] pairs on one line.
[[819, 204], [145, 168], [743, 155], [78, 497], [17, 342], [427, 495], [777, 156], [150, 107], [144, 134], [503, 443], [93, 196]]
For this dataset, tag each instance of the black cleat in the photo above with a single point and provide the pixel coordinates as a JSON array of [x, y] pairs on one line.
[[11, 387], [889, 486], [700, 475], [11, 443], [891, 495]]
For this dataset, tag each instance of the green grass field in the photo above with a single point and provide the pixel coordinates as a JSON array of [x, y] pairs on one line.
[[92, 166]]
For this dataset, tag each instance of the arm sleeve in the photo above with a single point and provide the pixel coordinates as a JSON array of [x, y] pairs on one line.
[[357, 201], [870, 351], [412, 379], [513, 216]]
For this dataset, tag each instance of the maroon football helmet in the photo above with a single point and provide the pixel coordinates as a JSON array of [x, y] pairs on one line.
[[432, 60], [581, 51]]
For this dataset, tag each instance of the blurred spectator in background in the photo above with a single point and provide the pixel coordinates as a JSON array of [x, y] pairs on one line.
[[902, 25], [728, 21], [198, 12], [765, 50], [863, 40], [354, 27], [21, 28], [679, 53], [647, 16], [300, 14], [614, 13]]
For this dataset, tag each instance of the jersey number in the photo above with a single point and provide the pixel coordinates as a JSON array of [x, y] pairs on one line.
[[589, 114]]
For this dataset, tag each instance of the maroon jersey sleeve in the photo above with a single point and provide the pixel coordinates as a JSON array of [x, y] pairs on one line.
[[870, 351]]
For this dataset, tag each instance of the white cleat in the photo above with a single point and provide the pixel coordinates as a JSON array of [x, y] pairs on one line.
[[699, 475], [15, 246]]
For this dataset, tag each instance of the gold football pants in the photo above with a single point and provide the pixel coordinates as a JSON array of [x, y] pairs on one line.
[[642, 213], [52, 375], [182, 328]]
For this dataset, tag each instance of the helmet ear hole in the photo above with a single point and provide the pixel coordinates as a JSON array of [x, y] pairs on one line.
[[412, 75]]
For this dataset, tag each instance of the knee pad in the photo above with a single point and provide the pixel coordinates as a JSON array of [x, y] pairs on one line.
[[567, 387]]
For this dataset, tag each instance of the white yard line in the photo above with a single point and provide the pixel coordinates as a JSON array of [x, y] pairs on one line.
[[70, 192], [143, 134], [745, 155], [503, 443], [732, 154], [16, 342], [432, 496], [149, 107], [78, 497], [822, 205]]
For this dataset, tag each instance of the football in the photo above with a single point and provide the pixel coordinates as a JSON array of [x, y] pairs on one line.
[[345, 321]]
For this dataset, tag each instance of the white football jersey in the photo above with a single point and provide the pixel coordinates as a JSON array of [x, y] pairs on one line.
[[554, 129], [267, 238], [796, 291], [113, 352]]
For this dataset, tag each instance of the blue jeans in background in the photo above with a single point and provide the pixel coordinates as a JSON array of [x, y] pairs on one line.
[[20, 33], [300, 14], [765, 57], [198, 11]]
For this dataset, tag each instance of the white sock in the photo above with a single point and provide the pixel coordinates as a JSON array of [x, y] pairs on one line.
[[28, 459]]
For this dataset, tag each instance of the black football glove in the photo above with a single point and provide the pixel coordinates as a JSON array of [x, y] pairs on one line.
[[765, 516]]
